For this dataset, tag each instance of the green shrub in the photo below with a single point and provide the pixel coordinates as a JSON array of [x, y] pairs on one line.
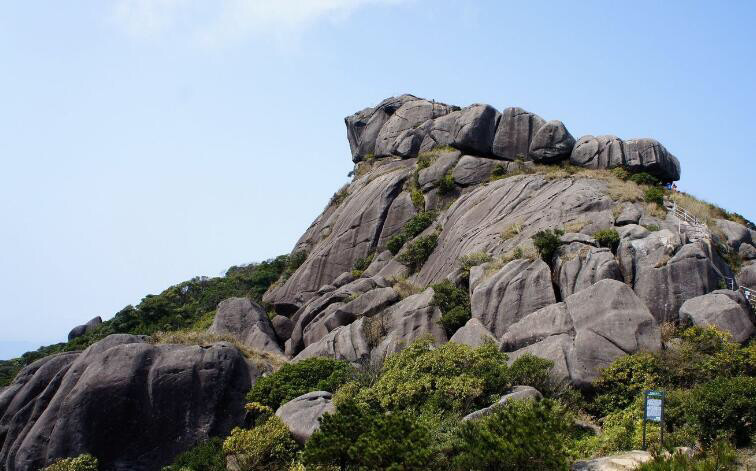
[[621, 173], [295, 379], [498, 172], [721, 457], [395, 243], [621, 382], [607, 238], [654, 195], [643, 178], [519, 436], [418, 200], [205, 456], [361, 264], [652, 227], [454, 304], [451, 377], [411, 229], [417, 252], [468, 261], [356, 437], [530, 370], [446, 184], [268, 446], [724, 407], [83, 462], [547, 242]]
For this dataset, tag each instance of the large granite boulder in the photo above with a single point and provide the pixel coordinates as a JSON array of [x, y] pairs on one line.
[[551, 143], [407, 117], [473, 333], [363, 127], [302, 414], [638, 155], [474, 129], [724, 309], [80, 330], [514, 291], [586, 332], [429, 177], [578, 266], [283, 326], [514, 133], [132, 404], [735, 233], [518, 393], [247, 322], [747, 276], [348, 343]]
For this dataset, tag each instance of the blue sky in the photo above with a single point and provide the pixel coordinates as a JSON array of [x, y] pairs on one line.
[[144, 142]]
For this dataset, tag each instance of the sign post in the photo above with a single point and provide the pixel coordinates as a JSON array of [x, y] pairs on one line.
[[653, 411]]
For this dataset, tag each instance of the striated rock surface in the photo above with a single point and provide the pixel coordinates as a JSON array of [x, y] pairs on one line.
[[515, 132], [586, 332], [578, 266], [473, 333], [247, 322], [132, 404], [638, 155], [551, 143], [725, 309], [302, 414]]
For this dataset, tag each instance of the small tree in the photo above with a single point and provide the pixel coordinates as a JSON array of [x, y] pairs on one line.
[[547, 242]]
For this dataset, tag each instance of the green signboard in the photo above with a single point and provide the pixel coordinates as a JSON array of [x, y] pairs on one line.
[[653, 411]]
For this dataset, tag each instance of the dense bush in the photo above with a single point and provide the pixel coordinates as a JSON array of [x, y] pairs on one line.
[[654, 195], [547, 242], [521, 435], [643, 178], [417, 252], [530, 370], [626, 378], [454, 304], [178, 307], [446, 184], [295, 379], [607, 238], [80, 463], [721, 457], [724, 407], [411, 229], [361, 264], [206, 456], [356, 437], [268, 446]]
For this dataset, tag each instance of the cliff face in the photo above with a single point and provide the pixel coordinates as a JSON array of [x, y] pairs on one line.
[[439, 193]]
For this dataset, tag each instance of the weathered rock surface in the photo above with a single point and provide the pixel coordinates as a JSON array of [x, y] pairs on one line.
[[363, 127], [586, 332], [473, 333], [519, 393], [474, 129], [578, 266], [630, 215], [302, 414], [747, 276], [132, 404], [283, 326], [429, 177], [407, 117], [347, 343], [517, 289], [638, 155], [725, 309], [515, 132], [551, 143], [80, 330], [247, 322], [735, 233], [747, 252], [621, 462]]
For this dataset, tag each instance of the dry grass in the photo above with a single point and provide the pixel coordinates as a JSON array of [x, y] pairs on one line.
[[375, 328], [263, 360], [576, 225], [511, 231], [525, 251], [404, 287], [669, 330], [656, 211]]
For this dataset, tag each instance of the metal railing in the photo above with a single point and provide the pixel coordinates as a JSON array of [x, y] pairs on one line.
[[695, 229], [748, 293]]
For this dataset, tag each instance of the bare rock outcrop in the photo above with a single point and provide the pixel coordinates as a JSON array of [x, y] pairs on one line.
[[514, 133], [578, 266], [724, 309], [473, 333], [586, 332], [637, 155], [80, 330], [302, 414], [247, 322]]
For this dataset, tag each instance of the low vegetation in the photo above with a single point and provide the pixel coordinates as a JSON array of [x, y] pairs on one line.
[[607, 238], [547, 242], [417, 252], [80, 463], [454, 304], [411, 229], [361, 264]]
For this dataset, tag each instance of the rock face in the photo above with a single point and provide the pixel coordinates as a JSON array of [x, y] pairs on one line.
[[247, 322], [586, 332], [473, 333], [519, 393], [80, 330], [514, 291], [132, 404], [551, 143], [735, 233], [725, 309], [578, 266], [622, 462], [515, 132], [302, 414], [638, 155]]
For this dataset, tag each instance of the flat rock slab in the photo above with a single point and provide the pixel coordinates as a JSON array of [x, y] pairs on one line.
[[302, 414], [623, 462]]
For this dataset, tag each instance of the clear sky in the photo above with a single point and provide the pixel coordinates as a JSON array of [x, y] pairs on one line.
[[144, 142]]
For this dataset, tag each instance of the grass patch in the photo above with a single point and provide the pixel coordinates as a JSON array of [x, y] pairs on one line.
[[511, 231], [405, 288]]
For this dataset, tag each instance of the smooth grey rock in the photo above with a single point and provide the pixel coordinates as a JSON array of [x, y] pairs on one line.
[[473, 333], [429, 177], [519, 393], [571, 237], [343, 279], [721, 310], [80, 330], [346, 343], [586, 332], [630, 215], [472, 170], [638, 155], [132, 404], [620, 462], [639, 249], [247, 322], [515, 133], [438, 132], [474, 129], [747, 276], [578, 266], [405, 322], [282, 326], [551, 143], [363, 127], [408, 116], [514, 291], [735, 233], [302, 414], [747, 252], [401, 211], [378, 263]]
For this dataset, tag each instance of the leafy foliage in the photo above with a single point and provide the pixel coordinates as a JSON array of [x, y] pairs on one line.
[[643, 178], [654, 195], [520, 435], [607, 238], [411, 229], [83, 462], [357, 437], [547, 242], [205, 456], [446, 184], [721, 457], [418, 251], [466, 262], [361, 264], [268, 446], [178, 307], [295, 379], [624, 380], [454, 304], [724, 407]]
